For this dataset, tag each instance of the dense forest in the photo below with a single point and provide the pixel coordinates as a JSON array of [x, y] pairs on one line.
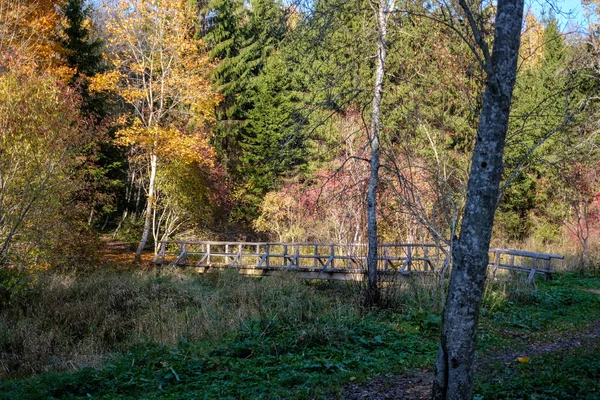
[[330, 121], [229, 119]]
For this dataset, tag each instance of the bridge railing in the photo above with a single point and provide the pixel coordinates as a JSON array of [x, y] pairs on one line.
[[403, 258]]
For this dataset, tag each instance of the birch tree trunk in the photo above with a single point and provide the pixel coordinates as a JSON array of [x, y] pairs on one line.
[[454, 366], [149, 205], [373, 289]]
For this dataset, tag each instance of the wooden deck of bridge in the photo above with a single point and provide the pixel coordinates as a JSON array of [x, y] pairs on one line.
[[336, 261]]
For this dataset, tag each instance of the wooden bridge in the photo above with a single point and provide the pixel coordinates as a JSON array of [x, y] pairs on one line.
[[337, 261]]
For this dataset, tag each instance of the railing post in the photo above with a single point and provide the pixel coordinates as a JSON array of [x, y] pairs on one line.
[[386, 256], [533, 271], [208, 253], [332, 256], [239, 257], [267, 249], [226, 252], [316, 254], [297, 256], [496, 263], [547, 275]]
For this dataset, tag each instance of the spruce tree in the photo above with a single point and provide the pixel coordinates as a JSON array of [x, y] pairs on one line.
[[255, 114], [82, 52], [536, 130]]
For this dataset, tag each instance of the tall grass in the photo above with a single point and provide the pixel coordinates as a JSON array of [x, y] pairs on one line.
[[64, 320]]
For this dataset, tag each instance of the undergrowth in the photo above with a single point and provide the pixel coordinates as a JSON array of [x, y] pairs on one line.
[[181, 335]]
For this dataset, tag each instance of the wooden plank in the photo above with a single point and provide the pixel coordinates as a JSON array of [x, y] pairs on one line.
[[332, 256], [405, 269], [236, 260], [267, 249], [548, 267], [496, 263], [529, 254], [329, 262], [202, 260], [178, 259], [293, 262], [531, 277], [260, 262]]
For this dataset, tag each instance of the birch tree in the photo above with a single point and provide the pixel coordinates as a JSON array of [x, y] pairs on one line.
[[160, 71], [382, 12]]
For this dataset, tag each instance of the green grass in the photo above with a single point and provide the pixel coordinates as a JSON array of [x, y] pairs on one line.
[[225, 336], [264, 359], [567, 374]]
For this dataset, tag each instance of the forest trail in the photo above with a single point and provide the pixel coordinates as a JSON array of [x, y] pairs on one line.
[[120, 255]]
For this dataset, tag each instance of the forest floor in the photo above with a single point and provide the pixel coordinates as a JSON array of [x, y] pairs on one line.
[[121, 255], [417, 386], [175, 335]]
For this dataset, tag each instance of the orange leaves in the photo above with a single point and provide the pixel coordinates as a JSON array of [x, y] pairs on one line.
[[108, 81], [28, 36], [186, 148]]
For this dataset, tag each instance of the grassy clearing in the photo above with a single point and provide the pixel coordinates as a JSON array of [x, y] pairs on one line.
[[179, 335]]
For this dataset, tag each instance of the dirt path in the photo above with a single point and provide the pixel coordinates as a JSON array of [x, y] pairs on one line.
[[595, 291], [121, 255]]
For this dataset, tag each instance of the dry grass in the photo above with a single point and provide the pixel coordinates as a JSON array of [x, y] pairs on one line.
[[68, 320]]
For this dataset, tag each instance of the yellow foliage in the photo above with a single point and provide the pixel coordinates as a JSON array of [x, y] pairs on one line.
[[107, 81], [278, 214], [28, 36], [162, 71], [532, 42], [63, 73], [168, 143]]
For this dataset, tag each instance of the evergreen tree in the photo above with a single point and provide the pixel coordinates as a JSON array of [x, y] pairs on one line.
[[255, 114], [104, 169], [275, 143], [537, 130], [82, 52]]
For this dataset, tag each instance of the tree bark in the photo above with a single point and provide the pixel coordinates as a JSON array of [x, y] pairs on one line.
[[149, 207], [454, 366], [373, 289]]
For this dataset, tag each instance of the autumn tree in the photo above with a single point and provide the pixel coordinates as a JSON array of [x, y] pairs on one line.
[[40, 135], [160, 72], [30, 39]]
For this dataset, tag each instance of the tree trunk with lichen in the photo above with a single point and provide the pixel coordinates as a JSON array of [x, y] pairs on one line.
[[454, 366]]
